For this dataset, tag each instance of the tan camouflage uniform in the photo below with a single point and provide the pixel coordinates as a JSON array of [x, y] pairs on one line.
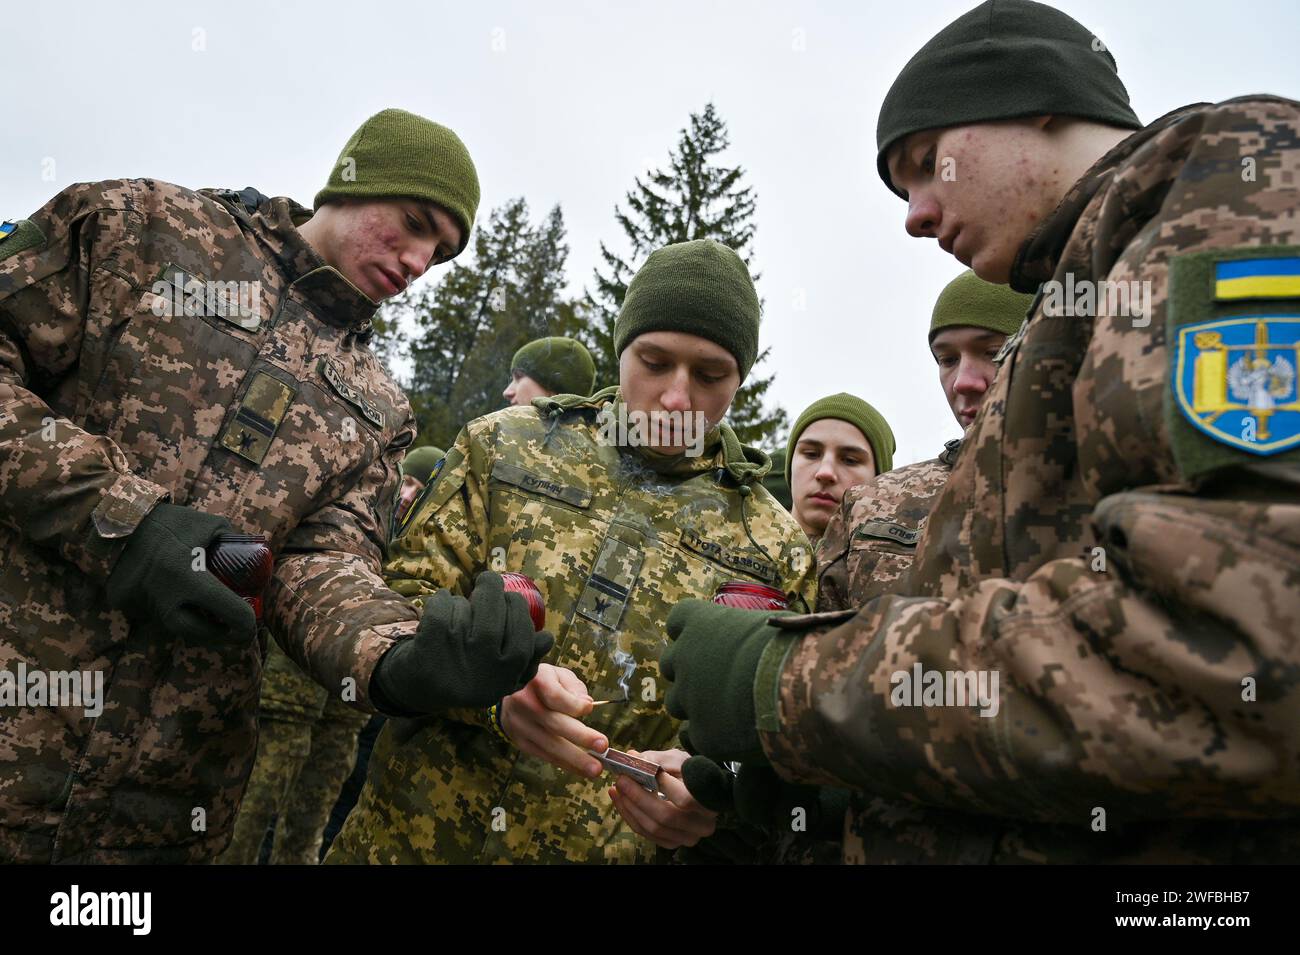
[[113, 399], [866, 550], [306, 749], [871, 539], [613, 544], [1121, 689]]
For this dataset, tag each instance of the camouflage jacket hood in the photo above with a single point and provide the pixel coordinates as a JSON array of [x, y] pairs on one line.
[[722, 448]]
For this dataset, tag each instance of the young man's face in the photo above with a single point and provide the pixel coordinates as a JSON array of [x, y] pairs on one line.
[[966, 369], [677, 373], [411, 488], [383, 245], [523, 389], [979, 189], [830, 457]]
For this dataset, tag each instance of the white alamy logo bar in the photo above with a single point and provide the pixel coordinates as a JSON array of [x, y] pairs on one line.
[[75, 907], [922, 687], [1088, 299], [82, 689]]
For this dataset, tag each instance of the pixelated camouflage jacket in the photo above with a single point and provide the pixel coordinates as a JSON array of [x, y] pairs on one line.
[[872, 537], [1133, 583], [613, 543], [123, 384], [867, 548]]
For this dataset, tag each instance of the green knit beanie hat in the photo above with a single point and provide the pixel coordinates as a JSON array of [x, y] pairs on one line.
[[856, 412], [702, 288], [969, 300], [559, 365], [420, 463], [1006, 59], [396, 154]]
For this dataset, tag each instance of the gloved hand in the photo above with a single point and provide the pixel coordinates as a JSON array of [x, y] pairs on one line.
[[743, 845], [154, 579], [466, 653], [759, 797], [712, 663]]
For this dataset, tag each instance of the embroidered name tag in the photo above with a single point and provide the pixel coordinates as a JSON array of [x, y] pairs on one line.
[[888, 530], [727, 557], [512, 474], [351, 395], [184, 293]]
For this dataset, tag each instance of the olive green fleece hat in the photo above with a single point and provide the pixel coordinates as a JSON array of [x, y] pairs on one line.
[[701, 288], [420, 463], [856, 412], [1006, 59], [396, 154], [969, 300], [560, 365]]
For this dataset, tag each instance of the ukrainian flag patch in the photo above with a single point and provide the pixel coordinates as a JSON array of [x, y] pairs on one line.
[[19, 236], [1257, 278]]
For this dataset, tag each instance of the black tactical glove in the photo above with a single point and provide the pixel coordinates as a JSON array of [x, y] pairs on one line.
[[155, 581], [466, 653], [759, 797]]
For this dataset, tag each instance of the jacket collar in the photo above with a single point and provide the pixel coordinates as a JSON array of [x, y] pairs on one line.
[[1038, 257], [722, 450], [320, 287]]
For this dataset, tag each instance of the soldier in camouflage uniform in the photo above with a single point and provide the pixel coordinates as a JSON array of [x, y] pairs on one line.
[[418, 468], [147, 408], [613, 529], [836, 443], [867, 546], [1128, 567], [550, 366], [870, 541], [307, 740]]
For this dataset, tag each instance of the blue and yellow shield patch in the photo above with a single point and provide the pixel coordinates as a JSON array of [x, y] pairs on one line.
[[1235, 380], [1233, 333]]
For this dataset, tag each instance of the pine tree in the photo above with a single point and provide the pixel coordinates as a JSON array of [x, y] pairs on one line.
[[694, 198], [472, 322]]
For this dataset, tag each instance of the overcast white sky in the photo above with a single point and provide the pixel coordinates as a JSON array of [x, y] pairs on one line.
[[565, 102]]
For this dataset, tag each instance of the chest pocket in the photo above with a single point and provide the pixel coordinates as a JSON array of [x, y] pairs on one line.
[[880, 555], [613, 577]]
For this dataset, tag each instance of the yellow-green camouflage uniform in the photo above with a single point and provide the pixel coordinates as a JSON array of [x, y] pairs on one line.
[[614, 538], [306, 747]]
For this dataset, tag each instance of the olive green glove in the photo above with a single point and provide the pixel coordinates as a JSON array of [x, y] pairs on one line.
[[465, 653], [712, 663], [155, 581]]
